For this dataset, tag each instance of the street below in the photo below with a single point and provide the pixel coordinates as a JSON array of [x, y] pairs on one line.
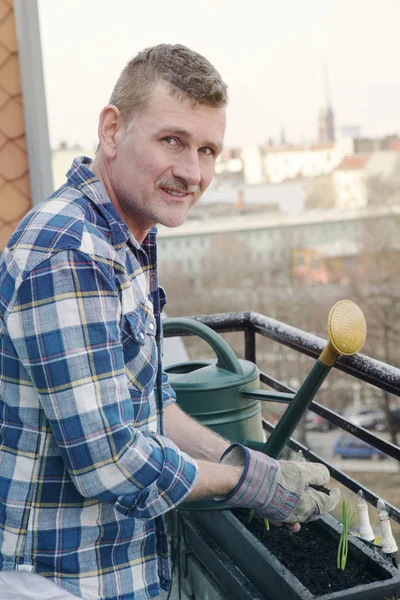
[[322, 443]]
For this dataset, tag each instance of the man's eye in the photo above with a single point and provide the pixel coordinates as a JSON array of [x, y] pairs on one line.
[[170, 140], [206, 150]]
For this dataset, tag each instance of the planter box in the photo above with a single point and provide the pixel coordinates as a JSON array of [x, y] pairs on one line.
[[276, 582]]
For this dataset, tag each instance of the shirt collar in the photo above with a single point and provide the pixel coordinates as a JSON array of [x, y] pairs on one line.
[[82, 178]]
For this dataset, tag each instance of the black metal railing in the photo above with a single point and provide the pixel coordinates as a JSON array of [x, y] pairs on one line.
[[380, 375]]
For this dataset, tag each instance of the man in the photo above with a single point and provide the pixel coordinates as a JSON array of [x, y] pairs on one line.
[[94, 449]]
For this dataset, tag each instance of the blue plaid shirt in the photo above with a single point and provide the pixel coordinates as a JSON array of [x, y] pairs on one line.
[[85, 471]]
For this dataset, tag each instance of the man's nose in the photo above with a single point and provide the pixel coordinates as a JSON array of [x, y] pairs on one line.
[[187, 167]]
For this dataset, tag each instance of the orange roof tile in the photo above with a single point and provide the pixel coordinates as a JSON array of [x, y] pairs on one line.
[[353, 163], [394, 145]]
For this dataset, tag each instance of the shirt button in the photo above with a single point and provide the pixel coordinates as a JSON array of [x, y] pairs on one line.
[[151, 326], [142, 336]]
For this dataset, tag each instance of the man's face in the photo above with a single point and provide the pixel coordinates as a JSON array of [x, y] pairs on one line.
[[165, 160]]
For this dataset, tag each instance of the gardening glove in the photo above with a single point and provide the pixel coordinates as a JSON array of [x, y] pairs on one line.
[[279, 491]]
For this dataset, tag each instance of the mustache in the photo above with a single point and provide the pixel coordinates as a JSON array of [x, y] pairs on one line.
[[178, 185]]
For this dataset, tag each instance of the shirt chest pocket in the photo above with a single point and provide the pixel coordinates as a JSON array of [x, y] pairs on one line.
[[140, 348]]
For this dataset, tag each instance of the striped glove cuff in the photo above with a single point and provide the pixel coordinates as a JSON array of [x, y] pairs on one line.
[[284, 491], [257, 485]]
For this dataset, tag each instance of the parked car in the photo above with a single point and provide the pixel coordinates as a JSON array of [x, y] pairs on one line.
[[369, 419], [316, 423], [348, 446], [396, 418]]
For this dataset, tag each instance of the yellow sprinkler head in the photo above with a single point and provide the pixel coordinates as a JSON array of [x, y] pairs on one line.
[[347, 331]]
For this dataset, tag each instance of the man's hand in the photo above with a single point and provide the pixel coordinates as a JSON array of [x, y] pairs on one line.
[[279, 491]]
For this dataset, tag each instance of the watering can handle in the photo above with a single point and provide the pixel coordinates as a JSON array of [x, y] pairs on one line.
[[226, 358]]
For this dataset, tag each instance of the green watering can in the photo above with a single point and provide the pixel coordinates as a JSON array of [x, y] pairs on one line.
[[224, 393]]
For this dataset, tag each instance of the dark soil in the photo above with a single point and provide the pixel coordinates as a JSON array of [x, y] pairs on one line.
[[311, 556]]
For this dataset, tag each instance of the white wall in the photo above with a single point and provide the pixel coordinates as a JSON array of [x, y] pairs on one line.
[[288, 164], [350, 188], [253, 166], [61, 161]]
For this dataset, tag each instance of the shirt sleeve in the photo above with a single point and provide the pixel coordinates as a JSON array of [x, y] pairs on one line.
[[168, 394], [65, 326]]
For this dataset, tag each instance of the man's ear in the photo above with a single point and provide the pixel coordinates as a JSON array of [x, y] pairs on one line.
[[110, 125]]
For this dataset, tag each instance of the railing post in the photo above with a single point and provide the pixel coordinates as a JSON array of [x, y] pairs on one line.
[[250, 345]]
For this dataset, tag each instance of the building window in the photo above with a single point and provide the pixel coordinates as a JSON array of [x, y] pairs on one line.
[[300, 260], [315, 263]]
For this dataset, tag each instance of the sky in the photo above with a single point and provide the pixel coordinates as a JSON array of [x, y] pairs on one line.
[[269, 52]]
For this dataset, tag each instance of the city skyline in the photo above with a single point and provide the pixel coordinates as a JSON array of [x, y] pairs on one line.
[[270, 56]]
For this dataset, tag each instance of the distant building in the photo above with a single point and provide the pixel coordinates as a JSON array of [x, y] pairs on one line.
[[253, 168], [229, 167], [326, 118], [392, 143], [328, 262], [301, 161], [363, 145], [286, 197], [383, 164], [349, 182], [364, 179], [326, 125], [319, 237], [279, 163]]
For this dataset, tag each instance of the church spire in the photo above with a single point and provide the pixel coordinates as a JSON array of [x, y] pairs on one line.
[[326, 119], [283, 136]]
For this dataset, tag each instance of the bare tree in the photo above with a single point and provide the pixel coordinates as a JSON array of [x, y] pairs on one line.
[[384, 190], [320, 193], [378, 291]]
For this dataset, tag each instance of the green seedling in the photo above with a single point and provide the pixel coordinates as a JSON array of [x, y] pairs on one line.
[[252, 515], [348, 515]]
